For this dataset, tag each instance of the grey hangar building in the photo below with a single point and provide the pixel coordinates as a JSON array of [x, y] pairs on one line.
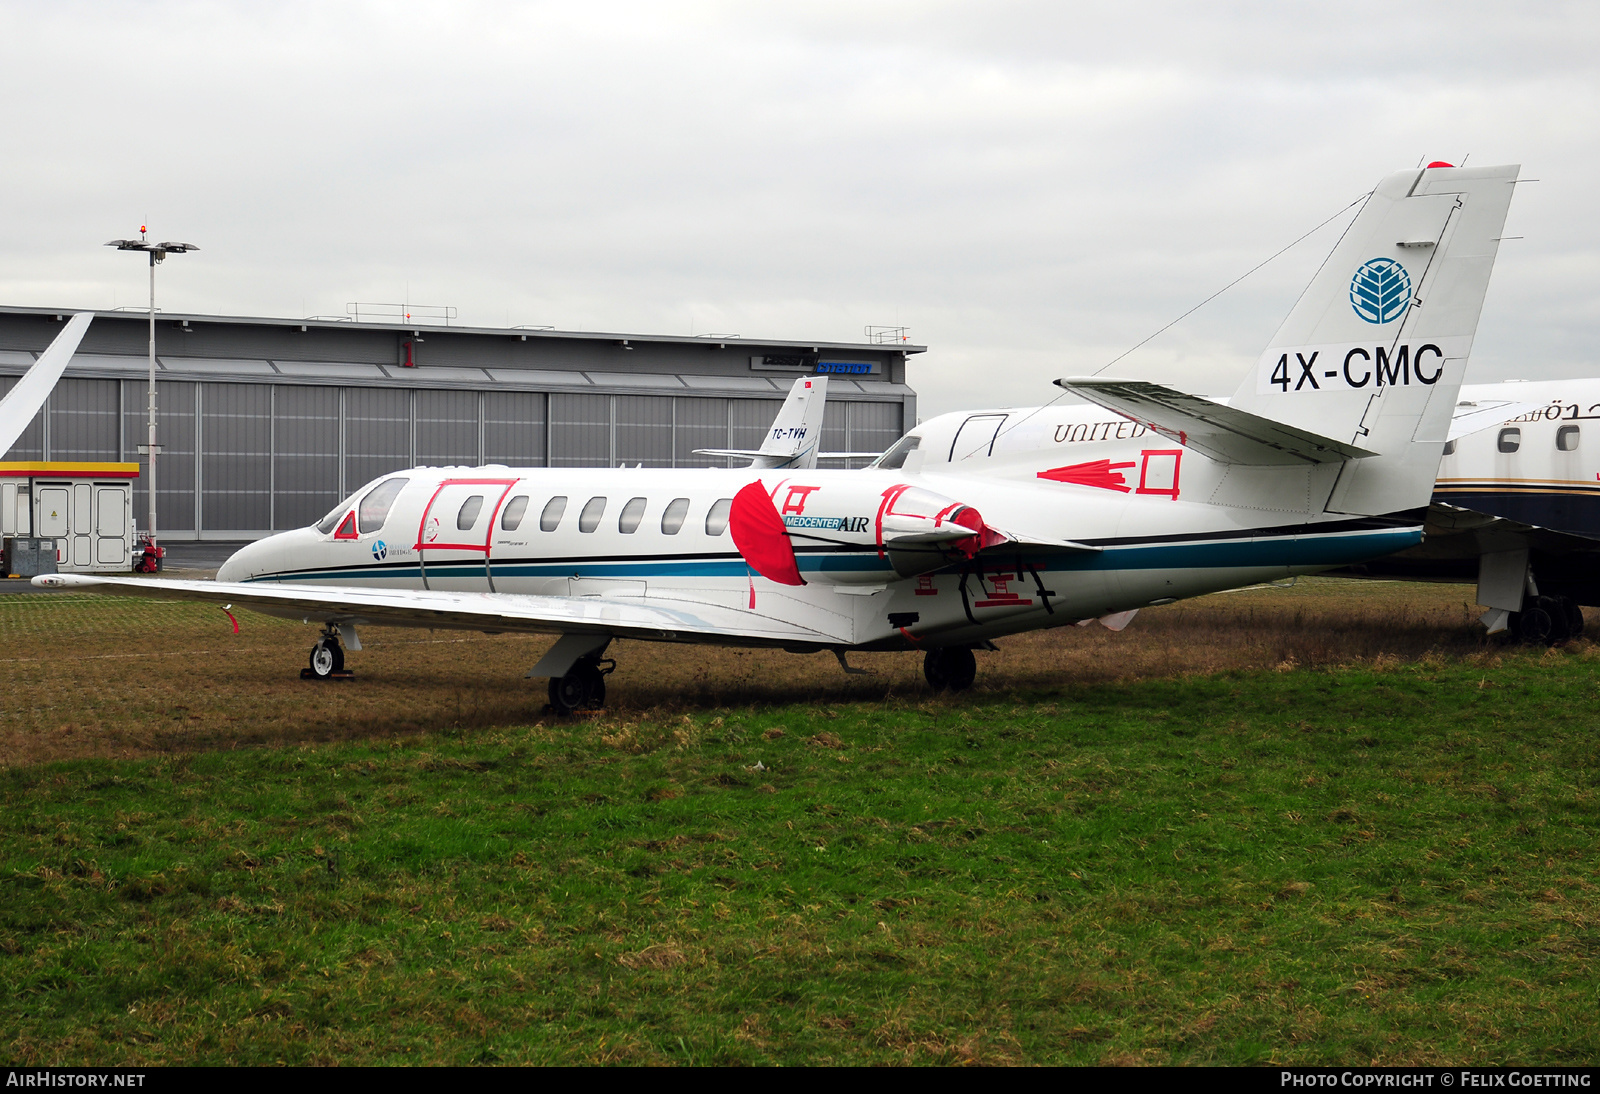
[[266, 424]]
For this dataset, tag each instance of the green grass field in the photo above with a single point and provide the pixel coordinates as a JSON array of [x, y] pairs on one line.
[[1385, 858]]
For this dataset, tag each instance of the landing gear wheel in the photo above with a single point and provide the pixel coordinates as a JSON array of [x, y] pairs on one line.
[[583, 687], [1574, 616], [1541, 622], [327, 658], [950, 668]]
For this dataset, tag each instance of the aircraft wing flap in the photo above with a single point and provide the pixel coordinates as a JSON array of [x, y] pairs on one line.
[[1221, 432], [626, 617]]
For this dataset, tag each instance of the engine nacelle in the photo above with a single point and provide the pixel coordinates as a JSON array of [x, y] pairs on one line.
[[911, 530]]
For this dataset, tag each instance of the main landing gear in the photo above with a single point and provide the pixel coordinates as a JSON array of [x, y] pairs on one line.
[[327, 659], [1547, 620], [950, 668], [583, 687]]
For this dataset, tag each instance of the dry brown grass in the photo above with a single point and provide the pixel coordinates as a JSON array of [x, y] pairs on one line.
[[110, 676]]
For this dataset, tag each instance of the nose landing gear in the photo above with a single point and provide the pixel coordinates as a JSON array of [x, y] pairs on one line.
[[327, 659], [951, 668], [583, 687]]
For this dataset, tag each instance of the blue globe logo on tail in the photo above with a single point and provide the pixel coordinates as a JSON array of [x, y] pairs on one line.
[[1380, 290]]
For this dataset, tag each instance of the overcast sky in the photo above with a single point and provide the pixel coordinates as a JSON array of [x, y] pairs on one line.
[[1031, 188]]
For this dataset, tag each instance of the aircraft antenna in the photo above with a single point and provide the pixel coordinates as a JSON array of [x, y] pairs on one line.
[[1185, 315]]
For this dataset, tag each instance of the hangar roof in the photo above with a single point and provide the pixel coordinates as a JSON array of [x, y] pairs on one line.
[[324, 351]]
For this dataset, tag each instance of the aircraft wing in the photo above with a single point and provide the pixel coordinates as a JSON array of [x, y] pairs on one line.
[[1222, 432], [658, 618], [1471, 417], [23, 401], [1453, 532]]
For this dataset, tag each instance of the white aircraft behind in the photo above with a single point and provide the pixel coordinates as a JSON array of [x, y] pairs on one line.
[[1516, 507], [968, 529]]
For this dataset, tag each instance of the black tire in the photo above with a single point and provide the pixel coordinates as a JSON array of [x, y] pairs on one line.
[[1534, 625], [1574, 617], [567, 693], [1560, 621], [327, 658], [594, 684], [951, 668]]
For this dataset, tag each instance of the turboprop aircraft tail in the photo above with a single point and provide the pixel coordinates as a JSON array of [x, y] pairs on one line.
[[1374, 351], [795, 433]]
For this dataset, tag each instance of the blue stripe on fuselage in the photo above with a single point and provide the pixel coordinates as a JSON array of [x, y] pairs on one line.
[[1309, 550]]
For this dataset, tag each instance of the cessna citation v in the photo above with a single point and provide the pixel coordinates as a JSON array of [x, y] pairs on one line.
[[971, 527]]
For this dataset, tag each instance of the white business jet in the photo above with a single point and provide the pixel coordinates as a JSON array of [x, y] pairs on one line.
[[966, 530]]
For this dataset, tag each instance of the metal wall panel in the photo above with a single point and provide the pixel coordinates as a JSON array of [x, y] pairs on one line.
[[29, 446], [835, 431], [447, 428], [580, 431], [873, 427], [305, 455], [377, 434], [644, 430], [83, 420], [749, 420], [514, 428], [702, 423], [236, 456], [175, 427]]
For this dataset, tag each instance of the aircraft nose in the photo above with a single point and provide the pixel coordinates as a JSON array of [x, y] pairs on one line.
[[252, 560]]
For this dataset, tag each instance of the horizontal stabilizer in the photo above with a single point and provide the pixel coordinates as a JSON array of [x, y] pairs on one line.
[[752, 454], [1220, 432]]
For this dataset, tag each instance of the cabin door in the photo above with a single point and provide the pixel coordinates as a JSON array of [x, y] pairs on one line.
[[453, 539]]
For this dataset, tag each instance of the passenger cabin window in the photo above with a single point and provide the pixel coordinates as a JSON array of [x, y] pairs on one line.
[[1509, 440], [375, 506], [593, 510], [468, 516], [552, 513], [632, 514], [717, 518], [1449, 448], [511, 515], [1567, 438], [672, 516]]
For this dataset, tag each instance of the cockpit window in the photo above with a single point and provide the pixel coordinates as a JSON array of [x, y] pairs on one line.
[[327, 524], [895, 458], [375, 506]]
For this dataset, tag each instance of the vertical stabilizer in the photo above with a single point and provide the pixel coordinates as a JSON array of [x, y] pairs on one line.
[[23, 401], [1374, 351], [797, 430]]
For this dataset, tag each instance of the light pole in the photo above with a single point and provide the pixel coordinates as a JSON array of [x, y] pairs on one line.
[[157, 252]]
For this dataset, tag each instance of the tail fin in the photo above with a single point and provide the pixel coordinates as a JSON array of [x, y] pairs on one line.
[[23, 401], [796, 431], [1374, 352]]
